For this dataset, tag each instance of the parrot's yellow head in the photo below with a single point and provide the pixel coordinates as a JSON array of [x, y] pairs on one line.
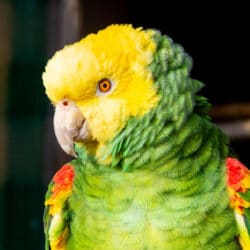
[[100, 82]]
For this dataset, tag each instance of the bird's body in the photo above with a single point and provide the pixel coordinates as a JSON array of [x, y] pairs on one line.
[[150, 171]]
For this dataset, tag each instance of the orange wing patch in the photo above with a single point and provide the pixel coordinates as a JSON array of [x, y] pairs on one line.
[[56, 204], [238, 182], [63, 181]]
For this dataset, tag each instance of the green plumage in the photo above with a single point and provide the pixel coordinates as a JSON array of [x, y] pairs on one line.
[[165, 187]]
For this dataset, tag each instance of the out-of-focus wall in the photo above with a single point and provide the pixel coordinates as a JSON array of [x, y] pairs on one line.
[[22, 111], [5, 53]]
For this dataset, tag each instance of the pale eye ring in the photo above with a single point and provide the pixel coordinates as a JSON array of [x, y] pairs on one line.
[[104, 86]]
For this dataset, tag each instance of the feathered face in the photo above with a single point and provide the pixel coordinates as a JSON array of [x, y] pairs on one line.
[[98, 83]]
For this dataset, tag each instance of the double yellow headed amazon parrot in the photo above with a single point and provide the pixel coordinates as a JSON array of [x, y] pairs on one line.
[[151, 169]]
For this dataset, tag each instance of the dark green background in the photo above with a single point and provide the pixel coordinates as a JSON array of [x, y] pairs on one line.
[[23, 190]]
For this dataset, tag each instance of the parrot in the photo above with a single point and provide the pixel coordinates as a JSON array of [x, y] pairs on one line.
[[150, 169]]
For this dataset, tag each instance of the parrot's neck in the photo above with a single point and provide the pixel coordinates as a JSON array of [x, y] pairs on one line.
[[178, 152]]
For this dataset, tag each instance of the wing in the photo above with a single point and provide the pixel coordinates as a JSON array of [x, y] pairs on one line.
[[238, 180], [57, 213]]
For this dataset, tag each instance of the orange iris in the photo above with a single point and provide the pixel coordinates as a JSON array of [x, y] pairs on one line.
[[104, 85]]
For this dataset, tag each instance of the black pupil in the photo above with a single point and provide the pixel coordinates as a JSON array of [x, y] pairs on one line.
[[105, 85]]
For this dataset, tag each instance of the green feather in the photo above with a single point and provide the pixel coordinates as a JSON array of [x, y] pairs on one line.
[[247, 219], [245, 196]]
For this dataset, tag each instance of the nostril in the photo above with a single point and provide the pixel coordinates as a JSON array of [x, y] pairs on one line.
[[65, 103]]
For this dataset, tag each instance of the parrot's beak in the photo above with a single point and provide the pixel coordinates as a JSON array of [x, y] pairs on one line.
[[70, 125]]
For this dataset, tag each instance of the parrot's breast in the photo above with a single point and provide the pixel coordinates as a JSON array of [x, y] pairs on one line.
[[178, 201]]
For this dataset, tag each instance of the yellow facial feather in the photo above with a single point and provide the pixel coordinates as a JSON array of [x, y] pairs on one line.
[[119, 52]]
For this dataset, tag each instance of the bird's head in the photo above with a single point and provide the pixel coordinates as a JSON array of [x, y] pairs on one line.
[[101, 82]]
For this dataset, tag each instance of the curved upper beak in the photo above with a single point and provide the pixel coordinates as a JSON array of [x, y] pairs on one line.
[[70, 125]]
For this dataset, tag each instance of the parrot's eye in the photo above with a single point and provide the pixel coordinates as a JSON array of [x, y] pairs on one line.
[[104, 86]]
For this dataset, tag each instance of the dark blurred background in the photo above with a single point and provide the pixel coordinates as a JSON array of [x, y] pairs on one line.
[[32, 30]]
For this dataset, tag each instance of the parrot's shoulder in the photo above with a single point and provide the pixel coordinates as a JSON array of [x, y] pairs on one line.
[[238, 182], [56, 213]]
